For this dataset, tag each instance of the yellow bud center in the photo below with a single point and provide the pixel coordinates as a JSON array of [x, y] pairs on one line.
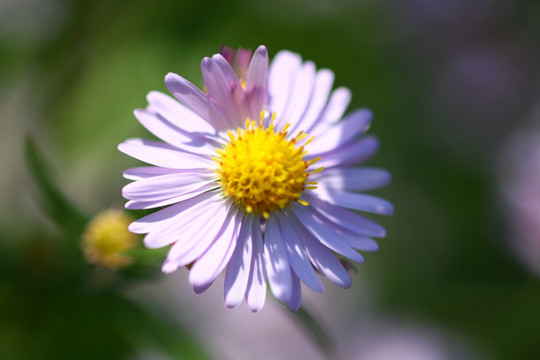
[[261, 170], [107, 238]]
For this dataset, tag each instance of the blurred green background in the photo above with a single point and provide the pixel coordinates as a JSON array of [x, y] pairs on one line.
[[449, 82]]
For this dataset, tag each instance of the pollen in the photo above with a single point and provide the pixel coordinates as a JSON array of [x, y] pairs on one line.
[[261, 170]]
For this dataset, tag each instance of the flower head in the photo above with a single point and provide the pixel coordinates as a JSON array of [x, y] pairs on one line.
[[257, 177], [107, 238]]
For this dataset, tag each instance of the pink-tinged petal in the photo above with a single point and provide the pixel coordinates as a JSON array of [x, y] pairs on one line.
[[161, 154], [277, 262], [299, 97], [227, 70], [145, 172], [238, 269], [350, 154], [207, 268], [164, 217], [298, 256], [257, 81], [342, 133], [345, 218], [243, 58], [189, 95], [296, 298], [235, 85], [281, 80], [187, 222], [178, 115], [171, 134], [354, 179], [334, 110], [256, 289], [321, 90], [227, 53], [170, 198], [324, 232], [355, 201], [185, 252], [322, 258], [221, 92]]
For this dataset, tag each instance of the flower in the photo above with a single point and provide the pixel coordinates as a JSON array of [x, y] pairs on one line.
[[243, 182], [106, 240]]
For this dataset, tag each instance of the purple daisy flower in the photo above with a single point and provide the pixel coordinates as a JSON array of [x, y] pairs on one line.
[[245, 188]]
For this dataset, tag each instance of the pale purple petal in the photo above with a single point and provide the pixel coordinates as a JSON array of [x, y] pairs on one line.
[[169, 267], [323, 232], [321, 90], [194, 246], [238, 269], [256, 290], [281, 80], [144, 172], [355, 201], [221, 92], [187, 222], [297, 255], [169, 133], [334, 110], [362, 243], [356, 241], [179, 115], [189, 95], [164, 186], [299, 97], [235, 85], [213, 261], [227, 70], [194, 235], [342, 133], [345, 218], [168, 199], [161, 154], [256, 82], [322, 258], [350, 154], [296, 297], [277, 262], [163, 217], [354, 179]]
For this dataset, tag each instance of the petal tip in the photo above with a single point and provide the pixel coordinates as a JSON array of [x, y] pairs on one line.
[[262, 50], [169, 267], [206, 63], [171, 76]]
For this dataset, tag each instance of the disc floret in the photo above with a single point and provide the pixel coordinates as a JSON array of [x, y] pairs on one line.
[[261, 170]]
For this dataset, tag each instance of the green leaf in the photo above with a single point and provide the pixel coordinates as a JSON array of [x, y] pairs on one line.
[[51, 199]]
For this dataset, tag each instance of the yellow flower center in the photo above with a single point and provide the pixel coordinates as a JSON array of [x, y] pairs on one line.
[[263, 171]]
